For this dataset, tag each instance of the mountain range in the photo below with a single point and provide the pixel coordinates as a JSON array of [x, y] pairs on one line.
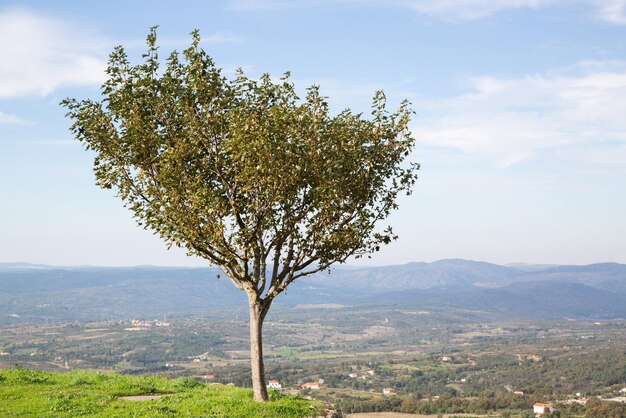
[[32, 293]]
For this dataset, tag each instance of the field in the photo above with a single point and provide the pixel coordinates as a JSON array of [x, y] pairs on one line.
[[436, 361], [25, 393]]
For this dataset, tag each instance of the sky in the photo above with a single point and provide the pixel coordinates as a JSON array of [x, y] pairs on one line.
[[520, 117]]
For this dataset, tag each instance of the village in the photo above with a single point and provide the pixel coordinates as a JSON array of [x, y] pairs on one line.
[[304, 388], [463, 370]]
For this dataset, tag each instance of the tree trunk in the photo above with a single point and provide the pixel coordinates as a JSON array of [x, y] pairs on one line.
[[257, 315]]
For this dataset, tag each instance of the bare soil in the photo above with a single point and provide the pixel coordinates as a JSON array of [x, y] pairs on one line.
[[399, 415], [141, 397]]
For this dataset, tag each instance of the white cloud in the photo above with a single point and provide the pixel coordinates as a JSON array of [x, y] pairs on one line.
[[574, 114], [7, 118], [612, 11], [218, 38], [184, 42], [509, 120], [40, 54], [274, 5], [469, 9]]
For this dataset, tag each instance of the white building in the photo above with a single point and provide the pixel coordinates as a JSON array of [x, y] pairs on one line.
[[541, 408], [273, 384], [311, 385]]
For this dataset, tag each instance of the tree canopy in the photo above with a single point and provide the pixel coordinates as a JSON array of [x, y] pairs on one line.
[[243, 172]]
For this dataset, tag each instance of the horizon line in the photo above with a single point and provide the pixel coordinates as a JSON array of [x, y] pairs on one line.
[[346, 265]]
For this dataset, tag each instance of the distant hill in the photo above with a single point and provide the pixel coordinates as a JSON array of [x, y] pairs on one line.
[[443, 273], [31, 292], [536, 299], [46, 293], [94, 293], [462, 273], [608, 276]]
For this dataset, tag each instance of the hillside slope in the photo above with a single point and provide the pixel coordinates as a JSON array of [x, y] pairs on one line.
[[86, 393], [42, 293]]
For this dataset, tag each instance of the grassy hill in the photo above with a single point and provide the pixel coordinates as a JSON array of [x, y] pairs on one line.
[[30, 393]]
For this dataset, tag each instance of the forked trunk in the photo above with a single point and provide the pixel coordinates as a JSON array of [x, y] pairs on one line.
[[256, 350]]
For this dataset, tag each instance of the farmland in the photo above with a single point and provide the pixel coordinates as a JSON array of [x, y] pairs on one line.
[[436, 361]]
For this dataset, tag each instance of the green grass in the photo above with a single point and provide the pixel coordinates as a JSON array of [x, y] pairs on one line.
[[31, 393]]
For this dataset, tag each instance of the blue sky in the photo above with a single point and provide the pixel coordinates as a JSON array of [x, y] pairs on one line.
[[520, 117]]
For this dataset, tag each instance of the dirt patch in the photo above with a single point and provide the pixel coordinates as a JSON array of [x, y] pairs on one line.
[[96, 330], [373, 331], [33, 365], [399, 415], [532, 357], [319, 306], [143, 397], [91, 337]]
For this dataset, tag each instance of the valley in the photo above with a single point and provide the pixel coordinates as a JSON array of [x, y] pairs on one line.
[[435, 361], [448, 337]]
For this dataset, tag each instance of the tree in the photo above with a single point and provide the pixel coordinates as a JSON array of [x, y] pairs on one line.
[[243, 173]]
